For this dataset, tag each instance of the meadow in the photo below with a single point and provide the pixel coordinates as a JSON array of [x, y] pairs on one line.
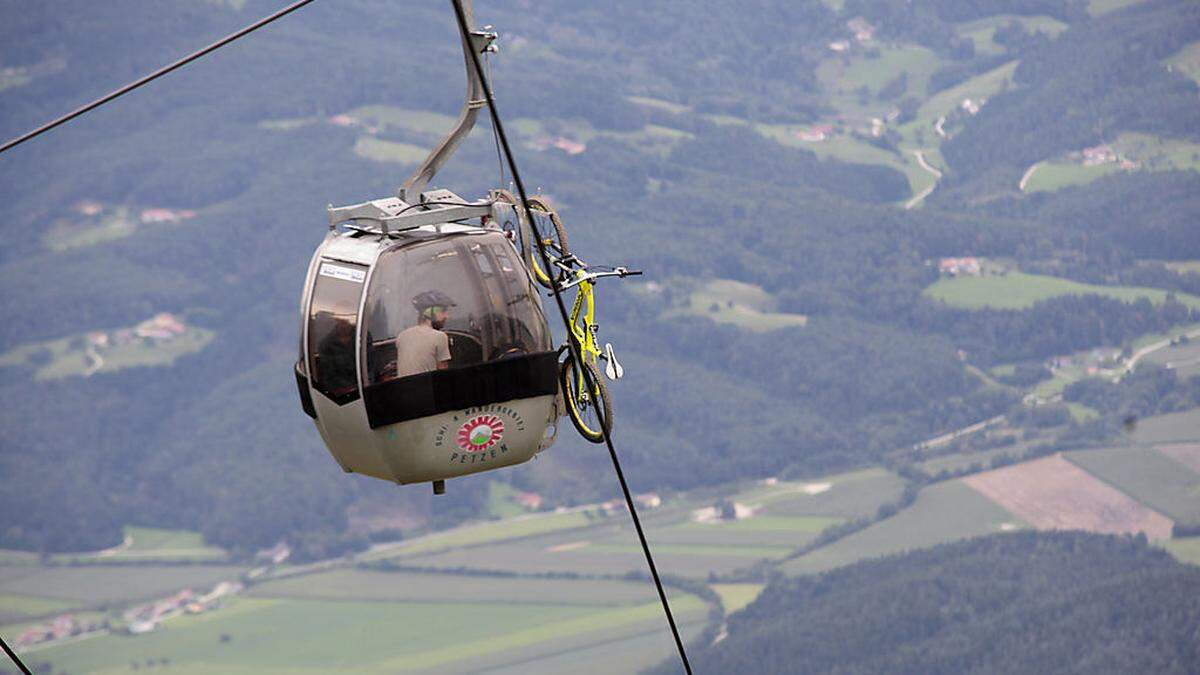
[[734, 302], [1179, 426], [1148, 476], [942, 512], [253, 635], [1018, 290]]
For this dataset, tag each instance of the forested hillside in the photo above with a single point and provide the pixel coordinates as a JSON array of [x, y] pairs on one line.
[[1026, 603], [203, 195]]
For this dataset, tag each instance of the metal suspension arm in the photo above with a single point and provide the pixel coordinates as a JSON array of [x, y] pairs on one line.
[[479, 42]]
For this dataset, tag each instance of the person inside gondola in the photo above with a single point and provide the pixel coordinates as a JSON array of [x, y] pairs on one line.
[[424, 347]]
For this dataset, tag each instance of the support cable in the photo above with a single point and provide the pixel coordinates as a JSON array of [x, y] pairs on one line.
[[15, 659], [541, 246], [154, 76]]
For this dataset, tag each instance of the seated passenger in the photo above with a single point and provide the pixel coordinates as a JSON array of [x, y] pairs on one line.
[[424, 347]]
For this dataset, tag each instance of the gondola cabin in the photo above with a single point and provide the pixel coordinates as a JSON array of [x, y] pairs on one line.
[[425, 353]]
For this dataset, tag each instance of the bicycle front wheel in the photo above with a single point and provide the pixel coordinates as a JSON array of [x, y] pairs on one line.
[[555, 241], [586, 405]]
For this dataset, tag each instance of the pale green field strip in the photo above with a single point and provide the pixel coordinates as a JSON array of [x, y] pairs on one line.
[[850, 149], [309, 636], [942, 513], [1187, 61], [740, 304], [1184, 266], [1082, 413], [772, 532], [843, 80], [148, 543], [1098, 7], [1183, 359], [1151, 153], [982, 31], [378, 150], [583, 556], [1148, 476], [68, 235], [737, 596], [651, 646], [851, 495], [485, 533], [97, 584], [1179, 426], [1185, 550], [659, 104], [418, 121], [375, 586], [14, 606], [1018, 290], [64, 361], [752, 552]]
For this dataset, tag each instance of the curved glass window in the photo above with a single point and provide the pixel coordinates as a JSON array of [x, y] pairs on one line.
[[452, 302], [332, 318]]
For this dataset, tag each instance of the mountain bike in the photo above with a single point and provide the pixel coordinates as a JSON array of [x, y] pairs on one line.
[[584, 390]]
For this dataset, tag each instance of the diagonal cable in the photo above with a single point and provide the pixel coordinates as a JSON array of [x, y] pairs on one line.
[[512, 165], [154, 76], [15, 659]]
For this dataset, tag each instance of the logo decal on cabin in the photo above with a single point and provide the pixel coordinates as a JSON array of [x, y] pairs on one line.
[[480, 433]]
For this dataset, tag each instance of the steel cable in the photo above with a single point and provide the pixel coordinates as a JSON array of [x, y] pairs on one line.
[[574, 348]]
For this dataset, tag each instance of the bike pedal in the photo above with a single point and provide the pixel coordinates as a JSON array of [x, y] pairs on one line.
[[612, 368]]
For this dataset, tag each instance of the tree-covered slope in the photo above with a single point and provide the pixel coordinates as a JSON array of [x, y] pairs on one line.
[[1018, 603]]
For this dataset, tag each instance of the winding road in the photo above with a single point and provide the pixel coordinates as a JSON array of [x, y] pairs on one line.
[[937, 175]]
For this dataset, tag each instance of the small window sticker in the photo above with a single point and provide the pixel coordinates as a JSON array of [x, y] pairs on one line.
[[343, 273]]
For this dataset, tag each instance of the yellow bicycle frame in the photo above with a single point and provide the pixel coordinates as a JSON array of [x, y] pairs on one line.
[[584, 335]]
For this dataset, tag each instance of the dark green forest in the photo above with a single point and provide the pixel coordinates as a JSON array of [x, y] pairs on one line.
[[217, 441], [1013, 603]]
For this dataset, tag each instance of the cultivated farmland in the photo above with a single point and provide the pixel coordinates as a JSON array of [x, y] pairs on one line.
[[1169, 428], [1053, 494], [1150, 477], [1018, 290], [943, 512], [1187, 454]]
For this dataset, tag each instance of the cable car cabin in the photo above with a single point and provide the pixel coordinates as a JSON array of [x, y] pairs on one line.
[[425, 353]]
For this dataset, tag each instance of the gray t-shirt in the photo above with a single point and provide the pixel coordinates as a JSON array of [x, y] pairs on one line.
[[420, 349]]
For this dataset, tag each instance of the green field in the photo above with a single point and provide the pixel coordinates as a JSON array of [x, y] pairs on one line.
[[982, 31], [1148, 476], [484, 533], [418, 121], [1187, 61], [943, 512], [153, 544], [858, 494], [63, 357], [94, 585], [15, 607], [981, 86], [369, 585], [378, 150], [1098, 7], [1185, 550], [737, 596], [65, 235], [841, 79], [303, 636], [737, 303], [1018, 290], [1180, 426], [601, 553], [1184, 359], [1151, 153]]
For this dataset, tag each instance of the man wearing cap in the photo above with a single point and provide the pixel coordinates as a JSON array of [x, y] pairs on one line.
[[424, 347]]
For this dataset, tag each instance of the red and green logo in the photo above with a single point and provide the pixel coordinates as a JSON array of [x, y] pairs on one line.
[[480, 433]]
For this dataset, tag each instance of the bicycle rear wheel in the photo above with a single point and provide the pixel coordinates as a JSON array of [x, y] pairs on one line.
[[554, 240], [585, 407]]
